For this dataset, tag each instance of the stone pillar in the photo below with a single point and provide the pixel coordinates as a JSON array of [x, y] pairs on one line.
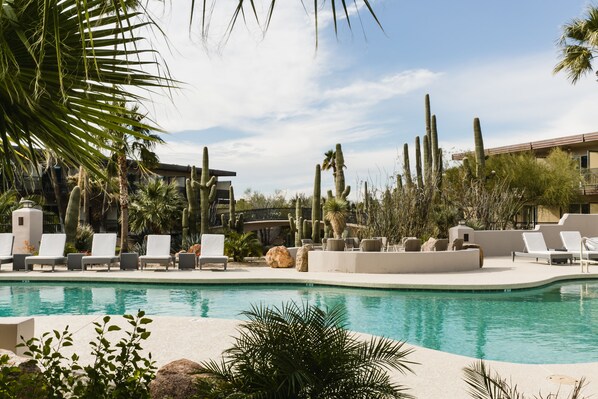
[[462, 231], [27, 227]]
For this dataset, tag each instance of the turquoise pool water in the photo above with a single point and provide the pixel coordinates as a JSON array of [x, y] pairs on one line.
[[553, 324]]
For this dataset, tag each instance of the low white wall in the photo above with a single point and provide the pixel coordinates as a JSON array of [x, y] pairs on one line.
[[393, 262], [503, 242]]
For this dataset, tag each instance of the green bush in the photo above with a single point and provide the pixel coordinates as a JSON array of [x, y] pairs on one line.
[[118, 371], [239, 246], [84, 238], [304, 352]]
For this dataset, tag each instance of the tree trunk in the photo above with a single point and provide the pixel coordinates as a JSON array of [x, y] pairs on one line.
[[124, 203], [58, 197], [82, 183]]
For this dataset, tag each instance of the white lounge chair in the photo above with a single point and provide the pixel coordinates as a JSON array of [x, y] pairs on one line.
[[6, 243], [103, 251], [51, 251], [535, 247], [158, 251], [212, 250], [575, 244]]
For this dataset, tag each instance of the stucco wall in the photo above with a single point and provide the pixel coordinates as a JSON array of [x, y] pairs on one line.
[[394, 262]]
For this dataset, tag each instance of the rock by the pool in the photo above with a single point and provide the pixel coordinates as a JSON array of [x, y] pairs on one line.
[[279, 257]]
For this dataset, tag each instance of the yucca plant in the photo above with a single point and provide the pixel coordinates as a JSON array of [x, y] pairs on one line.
[[336, 211], [239, 246], [302, 351]]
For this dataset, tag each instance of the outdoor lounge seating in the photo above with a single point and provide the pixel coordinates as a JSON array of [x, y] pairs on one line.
[[103, 251], [158, 251], [6, 242], [51, 251], [535, 247], [577, 245], [212, 250]]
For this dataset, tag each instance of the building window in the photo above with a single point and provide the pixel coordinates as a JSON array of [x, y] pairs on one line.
[[583, 162]]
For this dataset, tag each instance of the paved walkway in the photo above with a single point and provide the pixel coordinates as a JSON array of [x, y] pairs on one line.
[[439, 374]]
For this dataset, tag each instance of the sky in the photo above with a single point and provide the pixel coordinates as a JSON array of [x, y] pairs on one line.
[[269, 107]]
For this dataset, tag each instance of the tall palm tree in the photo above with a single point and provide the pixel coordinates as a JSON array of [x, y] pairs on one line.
[[329, 161], [138, 147], [579, 45], [155, 207], [62, 64]]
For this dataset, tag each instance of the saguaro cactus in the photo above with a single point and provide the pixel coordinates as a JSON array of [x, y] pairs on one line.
[[234, 222], [479, 150], [192, 217], [418, 163], [427, 161], [296, 223], [207, 191], [316, 206], [406, 166], [342, 191], [71, 220], [434, 146]]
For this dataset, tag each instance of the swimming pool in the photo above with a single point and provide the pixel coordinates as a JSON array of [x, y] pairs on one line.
[[552, 324]]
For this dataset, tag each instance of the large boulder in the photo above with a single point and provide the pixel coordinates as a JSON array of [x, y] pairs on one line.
[[279, 257], [176, 380], [301, 260]]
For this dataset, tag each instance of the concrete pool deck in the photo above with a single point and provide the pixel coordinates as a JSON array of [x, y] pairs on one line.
[[438, 374]]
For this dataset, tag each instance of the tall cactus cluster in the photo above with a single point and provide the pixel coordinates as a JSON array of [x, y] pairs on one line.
[[71, 220], [342, 191], [429, 169], [234, 222], [296, 224], [200, 195], [316, 206], [480, 155]]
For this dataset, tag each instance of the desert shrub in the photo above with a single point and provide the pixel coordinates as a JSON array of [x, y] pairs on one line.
[[239, 246]]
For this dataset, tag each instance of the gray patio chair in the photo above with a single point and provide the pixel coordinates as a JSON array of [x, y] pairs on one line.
[[212, 250], [103, 251], [51, 251], [158, 251], [6, 244]]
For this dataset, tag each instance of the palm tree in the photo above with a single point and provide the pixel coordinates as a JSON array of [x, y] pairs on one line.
[[239, 246], [155, 207], [579, 45], [336, 211], [329, 161], [304, 352], [484, 384], [62, 64], [138, 147]]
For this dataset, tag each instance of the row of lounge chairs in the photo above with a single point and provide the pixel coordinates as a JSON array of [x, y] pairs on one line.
[[103, 251], [575, 247]]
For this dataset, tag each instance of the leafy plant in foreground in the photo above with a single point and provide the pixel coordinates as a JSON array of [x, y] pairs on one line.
[[483, 384], [304, 352], [118, 371]]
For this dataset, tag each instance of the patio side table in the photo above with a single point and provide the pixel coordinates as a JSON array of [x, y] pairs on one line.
[[129, 261], [18, 262], [187, 261], [73, 261]]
